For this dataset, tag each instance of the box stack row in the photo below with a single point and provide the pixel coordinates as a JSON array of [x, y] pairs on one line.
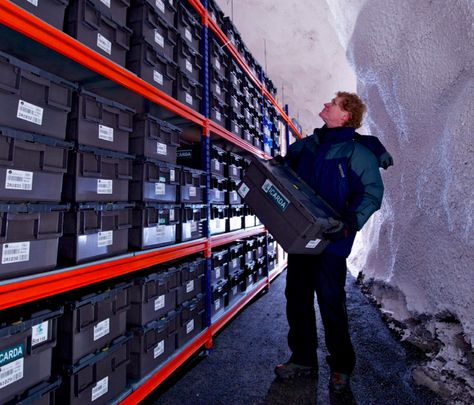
[[101, 339]]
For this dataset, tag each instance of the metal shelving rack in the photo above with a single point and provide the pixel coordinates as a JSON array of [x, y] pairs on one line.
[[27, 289]]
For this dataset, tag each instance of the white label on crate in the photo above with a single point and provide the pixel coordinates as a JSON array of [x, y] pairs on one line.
[[234, 170], [159, 349], [247, 94], [161, 148], [11, 372], [172, 175], [236, 128], [105, 238], [218, 89], [159, 302], [188, 35], [189, 98], [218, 272], [101, 388], [19, 180], [218, 223], [104, 186], [218, 116], [190, 326], [217, 165], [29, 112], [160, 189], [217, 304], [104, 44], [160, 5], [192, 191], [39, 333], [235, 102], [235, 262], [217, 194], [234, 290], [313, 243], [189, 66], [101, 329], [106, 133], [190, 286], [171, 214], [159, 39], [158, 77], [243, 190], [194, 226], [106, 2], [213, 16], [170, 1], [160, 231], [217, 64], [15, 252], [34, 2]]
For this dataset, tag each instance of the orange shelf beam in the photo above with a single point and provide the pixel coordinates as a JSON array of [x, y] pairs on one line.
[[32, 27], [20, 292], [219, 240]]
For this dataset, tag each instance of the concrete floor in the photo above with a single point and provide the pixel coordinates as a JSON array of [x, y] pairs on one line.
[[239, 369]]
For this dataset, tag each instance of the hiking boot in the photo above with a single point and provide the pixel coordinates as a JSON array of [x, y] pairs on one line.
[[289, 370], [339, 382]]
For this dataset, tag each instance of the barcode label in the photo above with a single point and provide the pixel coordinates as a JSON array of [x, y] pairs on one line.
[[15, 252], [217, 304], [160, 5], [194, 226], [234, 79], [189, 286], [160, 189], [159, 302], [34, 2], [159, 349], [312, 243], [218, 116], [158, 77], [235, 262], [172, 175], [217, 165], [234, 290], [39, 333], [161, 148], [235, 102], [218, 89], [104, 186], [101, 329], [218, 272], [192, 191], [188, 35], [104, 44], [236, 128], [189, 66], [189, 98], [11, 372], [105, 238], [234, 171], [19, 180], [29, 112], [213, 17], [101, 388], [217, 194], [190, 326], [218, 223], [106, 133], [171, 214], [160, 231], [217, 64], [106, 2], [159, 39]]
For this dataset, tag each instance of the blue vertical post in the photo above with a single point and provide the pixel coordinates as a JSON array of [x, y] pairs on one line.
[[287, 129]]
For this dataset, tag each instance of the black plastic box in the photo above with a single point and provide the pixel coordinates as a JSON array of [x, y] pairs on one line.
[[41, 394], [215, 13], [192, 320], [93, 231], [153, 296], [218, 189], [91, 322], [218, 110], [218, 85], [218, 160], [31, 166], [250, 249], [193, 183], [29, 238], [233, 195], [235, 165], [217, 56], [249, 217], [235, 76], [235, 123], [188, 24], [50, 11], [193, 222], [100, 122], [219, 272], [148, 64], [218, 297], [86, 23], [116, 10], [236, 215], [219, 218], [33, 100], [188, 91], [97, 175], [236, 257], [220, 257], [192, 279], [236, 286], [154, 225], [166, 9], [189, 60], [290, 210], [154, 138]]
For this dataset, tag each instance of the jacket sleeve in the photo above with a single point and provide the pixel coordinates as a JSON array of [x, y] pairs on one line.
[[366, 186], [294, 151]]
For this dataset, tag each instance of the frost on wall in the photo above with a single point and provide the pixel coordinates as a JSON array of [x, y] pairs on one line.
[[414, 66]]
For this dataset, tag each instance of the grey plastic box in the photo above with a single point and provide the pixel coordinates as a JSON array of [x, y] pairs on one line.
[[188, 59], [193, 222], [193, 183], [288, 207], [219, 218], [188, 91], [192, 320], [192, 279], [188, 24]]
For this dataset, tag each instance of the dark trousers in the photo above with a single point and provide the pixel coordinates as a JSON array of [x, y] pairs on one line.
[[324, 274]]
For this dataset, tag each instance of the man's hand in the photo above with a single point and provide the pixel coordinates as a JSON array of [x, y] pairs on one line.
[[337, 232], [386, 160]]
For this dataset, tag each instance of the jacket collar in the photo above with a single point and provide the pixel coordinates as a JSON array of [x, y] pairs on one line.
[[334, 135]]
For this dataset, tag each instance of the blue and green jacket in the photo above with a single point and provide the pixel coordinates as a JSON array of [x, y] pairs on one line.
[[342, 171]]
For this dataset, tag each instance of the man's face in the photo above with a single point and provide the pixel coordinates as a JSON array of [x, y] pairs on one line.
[[333, 114]]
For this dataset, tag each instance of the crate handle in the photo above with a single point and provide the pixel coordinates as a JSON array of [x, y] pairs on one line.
[[88, 10], [15, 89], [62, 167], [50, 235], [11, 154], [89, 172], [88, 230]]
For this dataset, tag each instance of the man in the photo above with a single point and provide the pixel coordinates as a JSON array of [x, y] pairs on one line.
[[345, 173]]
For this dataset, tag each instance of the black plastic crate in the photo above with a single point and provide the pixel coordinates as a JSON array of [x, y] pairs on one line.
[[154, 225], [236, 215], [218, 297], [233, 195], [220, 257], [147, 23], [166, 9], [188, 24], [192, 320], [217, 57], [116, 10], [26, 345], [100, 122], [236, 256], [33, 100], [215, 13], [91, 321], [31, 166], [250, 247], [99, 379], [218, 85], [192, 280], [218, 110], [236, 286], [93, 231], [249, 217], [235, 123], [86, 23], [193, 183], [234, 101], [148, 64], [261, 268], [261, 245], [153, 296], [218, 189], [97, 175], [29, 238], [50, 11], [235, 76], [41, 394], [232, 34], [235, 164], [188, 91], [250, 275], [189, 60], [219, 218], [154, 138], [193, 222], [219, 272], [155, 181]]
